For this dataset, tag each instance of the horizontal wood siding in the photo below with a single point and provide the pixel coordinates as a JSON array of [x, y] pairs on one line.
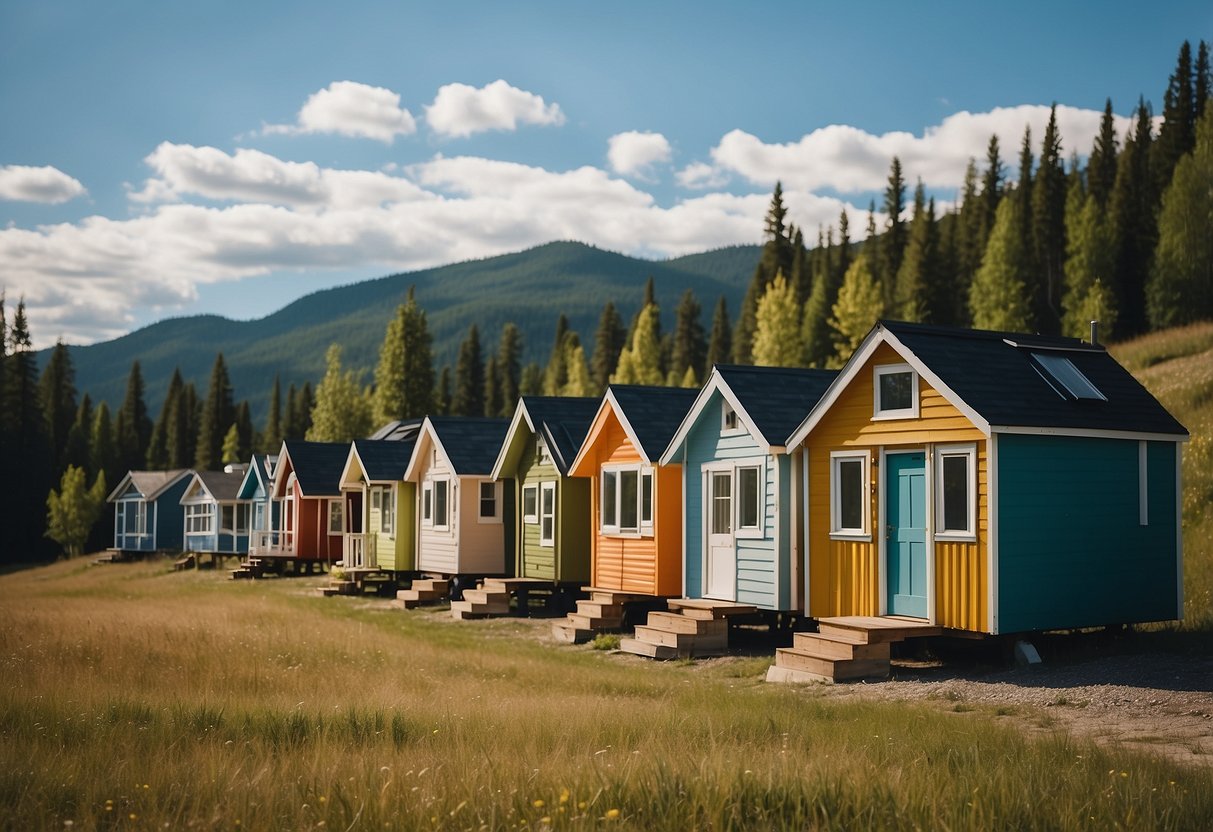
[[962, 599], [537, 561], [1071, 549], [625, 564], [438, 548]]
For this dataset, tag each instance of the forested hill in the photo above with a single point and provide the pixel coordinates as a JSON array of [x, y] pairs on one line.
[[531, 288]]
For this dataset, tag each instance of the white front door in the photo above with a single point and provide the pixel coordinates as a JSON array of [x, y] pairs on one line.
[[720, 581]]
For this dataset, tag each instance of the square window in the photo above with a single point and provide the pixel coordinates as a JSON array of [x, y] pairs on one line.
[[956, 492], [896, 392], [850, 505], [530, 504], [488, 499]]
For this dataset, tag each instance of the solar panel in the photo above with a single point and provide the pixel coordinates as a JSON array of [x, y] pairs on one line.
[[1061, 370]]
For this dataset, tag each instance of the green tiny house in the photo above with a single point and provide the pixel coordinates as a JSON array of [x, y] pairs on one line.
[[552, 509], [385, 538]]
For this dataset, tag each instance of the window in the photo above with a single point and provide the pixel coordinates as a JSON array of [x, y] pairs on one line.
[[141, 517], [547, 514], [542, 453], [627, 500], [227, 518], [1061, 373], [1143, 484], [748, 498], [199, 518], [387, 509], [722, 503], [376, 498], [441, 507], [427, 504], [489, 502], [956, 492], [850, 503], [896, 392], [336, 517], [530, 504], [728, 418]]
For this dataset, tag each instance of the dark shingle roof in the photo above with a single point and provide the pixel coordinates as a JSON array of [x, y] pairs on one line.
[[995, 374], [563, 422], [318, 465], [654, 413], [385, 459], [150, 484], [777, 399], [471, 444], [222, 485]]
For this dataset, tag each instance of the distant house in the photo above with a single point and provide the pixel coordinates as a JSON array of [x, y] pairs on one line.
[[314, 511], [216, 518], [552, 512], [386, 536], [256, 487], [465, 527], [739, 484], [991, 482], [147, 511], [636, 506]]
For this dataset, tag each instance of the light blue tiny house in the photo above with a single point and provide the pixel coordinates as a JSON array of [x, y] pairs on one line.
[[216, 520], [737, 490], [147, 511], [255, 488]]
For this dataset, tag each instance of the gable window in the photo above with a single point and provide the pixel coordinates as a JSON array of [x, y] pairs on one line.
[[748, 498], [728, 418], [956, 492], [199, 518], [547, 514], [542, 454], [336, 516], [627, 500], [490, 502], [850, 503], [896, 392], [387, 509], [530, 504]]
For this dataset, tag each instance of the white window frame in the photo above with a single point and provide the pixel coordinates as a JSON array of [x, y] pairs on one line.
[[836, 531], [750, 532], [530, 490], [969, 452], [387, 510], [427, 504], [431, 488], [542, 455], [199, 518], [376, 498], [339, 515], [880, 372], [224, 526], [141, 518], [545, 516], [496, 517], [730, 421], [613, 526], [644, 527]]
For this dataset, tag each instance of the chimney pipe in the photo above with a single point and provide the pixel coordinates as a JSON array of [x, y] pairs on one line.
[[1094, 333]]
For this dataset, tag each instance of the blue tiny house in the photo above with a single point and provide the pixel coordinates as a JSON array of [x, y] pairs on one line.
[[256, 487], [147, 511], [217, 520], [738, 484]]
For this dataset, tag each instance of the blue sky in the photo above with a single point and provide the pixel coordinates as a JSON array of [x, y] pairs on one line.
[[162, 159]]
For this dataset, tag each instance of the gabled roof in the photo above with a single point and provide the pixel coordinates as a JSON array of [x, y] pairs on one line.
[[470, 444], [221, 486], [149, 484], [769, 401], [648, 415], [256, 474], [561, 421], [381, 460], [316, 465], [994, 379]]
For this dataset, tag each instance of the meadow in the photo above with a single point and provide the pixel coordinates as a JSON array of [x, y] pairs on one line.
[[135, 697]]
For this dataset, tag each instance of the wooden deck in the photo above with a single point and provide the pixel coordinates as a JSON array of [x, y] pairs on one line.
[[846, 648]]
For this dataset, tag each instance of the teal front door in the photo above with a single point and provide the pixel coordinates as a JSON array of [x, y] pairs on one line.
[[906, 533]]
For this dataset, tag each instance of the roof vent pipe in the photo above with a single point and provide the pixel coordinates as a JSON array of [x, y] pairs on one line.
[[1094, 333]]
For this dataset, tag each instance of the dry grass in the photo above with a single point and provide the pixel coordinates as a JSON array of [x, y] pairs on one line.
[[133, 697]]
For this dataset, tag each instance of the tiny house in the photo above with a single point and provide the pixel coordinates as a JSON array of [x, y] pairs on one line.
[[147, 511], [990, 482], [256, 489], [374, 469], [464, 526], [314, 513], [216, 519], [552, 512], [737, 487], [635, 506]]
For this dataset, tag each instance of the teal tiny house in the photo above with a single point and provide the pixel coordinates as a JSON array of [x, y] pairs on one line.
[[147, 511]]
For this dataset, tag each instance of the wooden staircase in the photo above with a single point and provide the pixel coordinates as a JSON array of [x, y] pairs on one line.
[[490, 599], [845, 649], [250, 569], [602, 612], [424, 591], [187, 561], [692, 628]]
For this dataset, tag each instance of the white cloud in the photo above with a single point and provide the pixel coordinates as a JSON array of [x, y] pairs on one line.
[[698, 176], [460, 110], [22, 183], [634, 153], [349, 108], [851, 160]]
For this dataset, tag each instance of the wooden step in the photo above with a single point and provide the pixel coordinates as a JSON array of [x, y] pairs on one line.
[[596, 609], [612, 596], [684, 642], [841, 646], [418, 595], [706, 608], [512, 584], [569, 634], [787, 675], [877, 629], [674, 622], [485, 596], [644, 648], [440, 585], [465, 610], [589, 622], [837, 669], [242, 575]]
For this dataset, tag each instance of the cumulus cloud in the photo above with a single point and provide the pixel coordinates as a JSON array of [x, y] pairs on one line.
[[22, 183], [460, 110], [698, 176], [634, 153], [851, 160], [349, 108]]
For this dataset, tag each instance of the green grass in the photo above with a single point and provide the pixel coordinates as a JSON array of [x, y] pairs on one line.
[[135, 698]]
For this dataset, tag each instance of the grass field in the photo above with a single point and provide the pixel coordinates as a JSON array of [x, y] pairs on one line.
[[134, 697]]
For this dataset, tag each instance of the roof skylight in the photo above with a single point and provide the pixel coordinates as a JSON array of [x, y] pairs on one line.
[[1066, 378]]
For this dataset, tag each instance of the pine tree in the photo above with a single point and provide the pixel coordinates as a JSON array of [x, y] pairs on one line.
[[1201, 83], [57, 392], [892, 245], [1181, 283], [271, 437], [492, 388], [1134, 227], [157, 449], [998, 296], [580, 382], [776, 257], [103, 449], [307, 404], [859, 306], [133, 423], [509, 369], [1101, 167], [720, 345], [918, 293], [404, 376], [231, 445], [777, 337], [532, 380], [443, 395], [342, 411], [1048, 231], [1177, 136], [218, 414], [991, 193], [246, 434], [640, 361], [556, 374], [608, 343], [468, 399], [817, 336], [290, 426], [28, 468], [1089, 263], [802, 270], [690, 348], [73, 509], [181, 432], [76, 452]]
